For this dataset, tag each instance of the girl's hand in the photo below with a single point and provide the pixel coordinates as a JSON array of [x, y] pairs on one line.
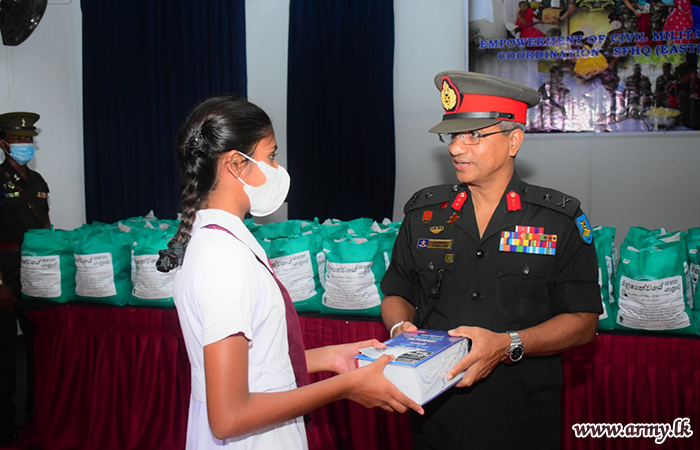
[[337, 358], [369, 387]]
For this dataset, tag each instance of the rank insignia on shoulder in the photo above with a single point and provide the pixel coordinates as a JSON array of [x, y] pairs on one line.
[[459, 201], [427, 216], [440, 244], [584, 228]]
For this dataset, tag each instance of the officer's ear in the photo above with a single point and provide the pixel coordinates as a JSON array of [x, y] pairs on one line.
[[515, 140]]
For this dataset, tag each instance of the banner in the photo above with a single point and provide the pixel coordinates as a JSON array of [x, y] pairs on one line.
[[628, 65]]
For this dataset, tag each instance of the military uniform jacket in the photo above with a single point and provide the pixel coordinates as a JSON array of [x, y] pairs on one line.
[[15, 216], [501, 281]]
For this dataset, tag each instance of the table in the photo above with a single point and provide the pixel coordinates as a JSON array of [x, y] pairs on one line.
[[119, 378]]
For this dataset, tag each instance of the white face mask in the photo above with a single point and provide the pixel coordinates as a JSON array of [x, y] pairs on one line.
[[268, 197]]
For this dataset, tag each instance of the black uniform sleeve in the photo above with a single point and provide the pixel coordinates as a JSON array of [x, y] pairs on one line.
[[400, 278], [576, 286]]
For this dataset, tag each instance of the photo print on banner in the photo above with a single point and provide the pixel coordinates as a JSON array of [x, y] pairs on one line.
[[598, 65]]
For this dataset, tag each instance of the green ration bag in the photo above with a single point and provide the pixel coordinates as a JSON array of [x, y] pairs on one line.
[[604, 238], [694, 257], [353, 269], [151, 287], [103, 262], [652, 284], [48, 265], [295, 261], [639, 238], [696, 304], [277, 230]]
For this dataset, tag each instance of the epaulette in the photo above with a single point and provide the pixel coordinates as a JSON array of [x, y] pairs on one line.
[[430, 196], [551, 199]]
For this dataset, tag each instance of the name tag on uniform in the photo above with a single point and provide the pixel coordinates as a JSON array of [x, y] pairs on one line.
[[440, 244], [528, 240]]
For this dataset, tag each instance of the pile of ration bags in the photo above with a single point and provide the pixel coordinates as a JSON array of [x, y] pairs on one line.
[[335, 267]]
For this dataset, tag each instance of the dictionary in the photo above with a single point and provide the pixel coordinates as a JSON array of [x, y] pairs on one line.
[[421, 362]]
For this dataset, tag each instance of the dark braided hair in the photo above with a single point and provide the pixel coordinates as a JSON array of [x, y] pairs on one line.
[[215, 126]]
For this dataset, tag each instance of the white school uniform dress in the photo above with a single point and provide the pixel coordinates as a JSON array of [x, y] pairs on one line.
[[222, 289]]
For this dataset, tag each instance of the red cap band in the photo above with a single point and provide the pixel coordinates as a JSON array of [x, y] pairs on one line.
[[487, 103]]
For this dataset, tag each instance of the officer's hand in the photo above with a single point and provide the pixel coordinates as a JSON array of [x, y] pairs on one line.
[[488, 349], [7, 300], [406, 326]]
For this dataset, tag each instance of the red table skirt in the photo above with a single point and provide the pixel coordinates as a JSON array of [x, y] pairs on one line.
[[119, 378]]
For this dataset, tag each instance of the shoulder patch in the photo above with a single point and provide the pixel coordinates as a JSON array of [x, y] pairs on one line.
[[430, 196], [584, 228], [551, 199]]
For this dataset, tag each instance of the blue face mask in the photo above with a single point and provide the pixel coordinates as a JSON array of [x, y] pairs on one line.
[[21, 153]]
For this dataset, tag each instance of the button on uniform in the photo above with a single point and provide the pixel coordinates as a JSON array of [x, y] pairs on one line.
[[480, 253], [475, 295]]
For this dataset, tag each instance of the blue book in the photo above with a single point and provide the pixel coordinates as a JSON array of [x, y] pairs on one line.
[[421, 362]]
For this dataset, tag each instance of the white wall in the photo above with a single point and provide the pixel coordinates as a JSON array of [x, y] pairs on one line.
[[649, 180], [267, 34], [44, 75], [428, 41]]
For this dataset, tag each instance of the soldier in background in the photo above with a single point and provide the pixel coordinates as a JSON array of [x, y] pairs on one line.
[[662, 83], [23, 206], [638, 91], [555, 103]]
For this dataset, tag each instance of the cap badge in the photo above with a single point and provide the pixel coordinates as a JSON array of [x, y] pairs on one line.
[[450, 95]]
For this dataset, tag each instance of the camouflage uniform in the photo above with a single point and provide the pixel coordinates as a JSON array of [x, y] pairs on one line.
[[659, 12], [629, 19]]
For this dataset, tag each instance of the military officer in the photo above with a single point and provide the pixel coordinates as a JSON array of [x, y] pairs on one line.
[[23, 206], [510, 265]]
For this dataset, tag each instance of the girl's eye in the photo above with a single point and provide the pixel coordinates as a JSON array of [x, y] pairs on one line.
[[273, 155]]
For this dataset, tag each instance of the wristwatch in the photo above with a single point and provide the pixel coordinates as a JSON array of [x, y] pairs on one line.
[[516, 350]]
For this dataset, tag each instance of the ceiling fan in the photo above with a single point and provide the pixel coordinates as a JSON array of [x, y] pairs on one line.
[[19, 18]]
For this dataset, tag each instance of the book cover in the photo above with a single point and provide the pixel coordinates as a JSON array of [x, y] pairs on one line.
[[421, 362]]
